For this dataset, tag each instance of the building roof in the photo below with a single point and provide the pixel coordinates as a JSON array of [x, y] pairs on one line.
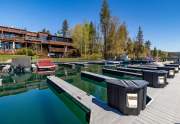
[[29, 33]]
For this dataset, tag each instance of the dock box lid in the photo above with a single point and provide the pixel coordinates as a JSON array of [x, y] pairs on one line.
[[149, 67], [172, 65], [135, 69], [156, 71], [166, 67], [141, 67], [129, 84]]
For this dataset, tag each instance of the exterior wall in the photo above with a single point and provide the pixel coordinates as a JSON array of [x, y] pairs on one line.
[[12, 39]]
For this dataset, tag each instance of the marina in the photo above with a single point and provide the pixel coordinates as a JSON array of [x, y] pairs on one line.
[[153, 110], [89, 62], [87, 87]]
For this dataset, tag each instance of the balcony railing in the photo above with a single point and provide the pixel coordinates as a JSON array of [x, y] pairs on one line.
[[31, 39], [7, 38], [7, 51], [52, 49]]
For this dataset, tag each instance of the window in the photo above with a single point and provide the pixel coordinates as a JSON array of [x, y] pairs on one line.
[[43, 38]]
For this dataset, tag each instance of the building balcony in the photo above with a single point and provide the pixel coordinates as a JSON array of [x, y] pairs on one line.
[[57, 43], [57, 50], [13, 39], [4, 38], [7, 51]]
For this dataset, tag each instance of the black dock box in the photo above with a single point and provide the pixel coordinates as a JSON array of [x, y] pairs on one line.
[[174, 65], [170, 70], [156, 78], [128, 96]]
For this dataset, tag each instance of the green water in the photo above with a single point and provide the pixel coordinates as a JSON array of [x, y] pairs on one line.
[[97, 89], [39, 107], [72, 76], [98, 69], [27, 99]]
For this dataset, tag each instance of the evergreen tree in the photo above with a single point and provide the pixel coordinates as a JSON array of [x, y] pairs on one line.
[[162, 54], [147, 48], [155, 52], [140, 36], [139, 45], [92, 37], [148, 44], [44, 30], [65, 28], [104, 20]]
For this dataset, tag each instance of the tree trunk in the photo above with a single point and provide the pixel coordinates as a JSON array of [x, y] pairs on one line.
[[105, 45]]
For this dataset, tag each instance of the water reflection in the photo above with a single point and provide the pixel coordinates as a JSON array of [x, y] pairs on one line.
[[62, 108], [18, 83], [80, 111], [73, 76], [13, 83]]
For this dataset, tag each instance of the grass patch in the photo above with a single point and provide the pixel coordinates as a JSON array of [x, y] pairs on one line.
[[69, 59], [4, 58]]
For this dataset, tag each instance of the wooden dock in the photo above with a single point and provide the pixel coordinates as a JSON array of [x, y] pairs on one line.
[[100, 112], [163, 109]]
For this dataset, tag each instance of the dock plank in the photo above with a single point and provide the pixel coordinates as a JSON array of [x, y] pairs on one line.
[[165, 108]]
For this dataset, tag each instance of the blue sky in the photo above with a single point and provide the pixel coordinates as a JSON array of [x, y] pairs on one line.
[[160, 19]]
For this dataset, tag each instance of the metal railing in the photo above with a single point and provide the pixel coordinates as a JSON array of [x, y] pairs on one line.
[[52, 49]]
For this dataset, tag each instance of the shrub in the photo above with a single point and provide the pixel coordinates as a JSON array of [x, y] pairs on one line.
[[25, 51], [94, 56]]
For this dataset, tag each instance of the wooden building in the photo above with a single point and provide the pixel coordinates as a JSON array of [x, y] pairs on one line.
[[12, 39]]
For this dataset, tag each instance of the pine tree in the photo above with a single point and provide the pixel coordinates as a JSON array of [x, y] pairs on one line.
[[65, 28], [92, 37], [162, 54], [104, 20], [148, 44], [140, 36], [155, 52], [139, 44], [147, 48], [44, 30]]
